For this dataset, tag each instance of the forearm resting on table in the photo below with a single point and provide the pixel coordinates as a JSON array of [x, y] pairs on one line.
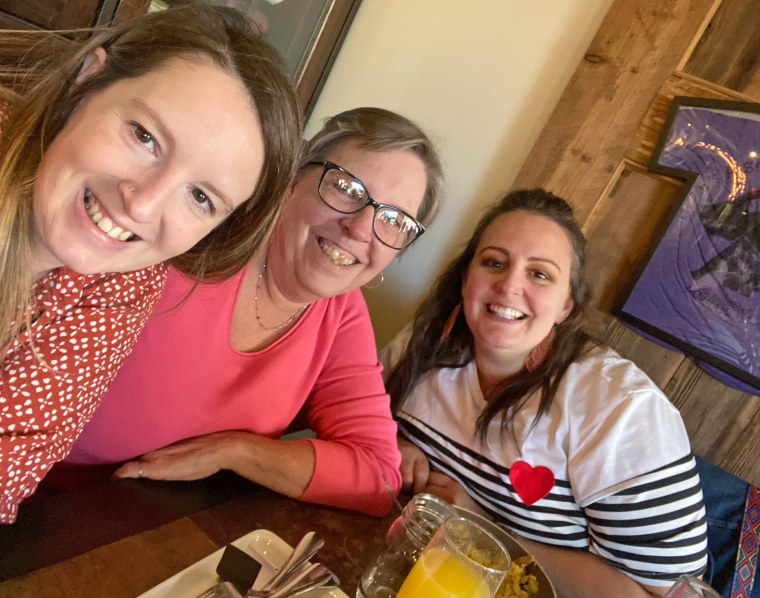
[[285, 466], [580, 574]]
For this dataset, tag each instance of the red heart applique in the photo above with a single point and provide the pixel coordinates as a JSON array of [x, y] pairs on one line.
[[531, 483]]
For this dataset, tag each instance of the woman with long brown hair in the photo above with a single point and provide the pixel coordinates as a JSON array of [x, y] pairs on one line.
[[505, 408], [171, 137]]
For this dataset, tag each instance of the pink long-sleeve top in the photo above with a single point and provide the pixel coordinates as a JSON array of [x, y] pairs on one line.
[[185, 379]]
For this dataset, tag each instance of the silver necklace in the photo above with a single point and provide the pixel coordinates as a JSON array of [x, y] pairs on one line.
[[287, 320]]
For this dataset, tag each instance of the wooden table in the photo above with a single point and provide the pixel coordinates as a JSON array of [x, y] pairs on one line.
[[124, 537]]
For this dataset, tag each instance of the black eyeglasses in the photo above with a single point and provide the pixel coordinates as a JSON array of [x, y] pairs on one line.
[[344, 193]]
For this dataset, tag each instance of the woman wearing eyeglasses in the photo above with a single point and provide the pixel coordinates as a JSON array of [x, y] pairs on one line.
[[221, 371]]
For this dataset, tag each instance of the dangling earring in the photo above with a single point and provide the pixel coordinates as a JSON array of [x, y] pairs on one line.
[[450, 321], [540, 352], [374, 286]]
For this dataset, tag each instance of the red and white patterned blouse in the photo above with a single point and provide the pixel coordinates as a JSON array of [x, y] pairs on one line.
[[53, 375]]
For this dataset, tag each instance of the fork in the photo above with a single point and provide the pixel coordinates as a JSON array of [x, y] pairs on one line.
[[313, 576], [306, 548], [305, 578], [295, 565]]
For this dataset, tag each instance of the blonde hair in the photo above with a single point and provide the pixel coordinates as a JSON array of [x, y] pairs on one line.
[[38, 70]]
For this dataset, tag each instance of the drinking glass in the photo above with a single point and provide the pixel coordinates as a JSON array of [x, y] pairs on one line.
[[462, 560], [688, 586], [406, 539]]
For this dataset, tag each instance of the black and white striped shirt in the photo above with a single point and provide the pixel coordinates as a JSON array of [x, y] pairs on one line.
[[625, 482]]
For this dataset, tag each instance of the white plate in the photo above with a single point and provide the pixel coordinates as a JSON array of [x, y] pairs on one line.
[[267, 548]]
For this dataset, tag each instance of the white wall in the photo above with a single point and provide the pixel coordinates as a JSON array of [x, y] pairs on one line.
[[481, 77]]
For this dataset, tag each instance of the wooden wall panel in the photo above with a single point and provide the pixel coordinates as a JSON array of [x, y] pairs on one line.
[[734, 65], [645, 138], [714, 414], [634, 208], [743, 455], [637, 47], [595, 150]]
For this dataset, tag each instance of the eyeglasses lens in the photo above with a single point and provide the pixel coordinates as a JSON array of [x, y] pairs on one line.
[[394, 228], [345, 194], [342, 192]]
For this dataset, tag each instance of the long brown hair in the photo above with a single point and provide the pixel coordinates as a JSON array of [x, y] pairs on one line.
[[427, 350], [39, 70]]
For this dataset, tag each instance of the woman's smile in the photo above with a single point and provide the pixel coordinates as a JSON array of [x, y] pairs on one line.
[[336, 255], [507, 313], [95, 212]]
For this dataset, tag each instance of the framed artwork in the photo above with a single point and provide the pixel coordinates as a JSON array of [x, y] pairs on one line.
[[307, 33], [699, 290]]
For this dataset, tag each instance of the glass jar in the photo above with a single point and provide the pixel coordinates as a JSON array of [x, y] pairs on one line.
[[688, 586], [406, 538]]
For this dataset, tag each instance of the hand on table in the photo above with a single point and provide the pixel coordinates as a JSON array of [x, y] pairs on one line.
[[415, 468], [416, 477], [442, 486], [285, 466], [191, 459]]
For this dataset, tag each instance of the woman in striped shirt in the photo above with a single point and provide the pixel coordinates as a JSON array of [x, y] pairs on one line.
[[505, 407]]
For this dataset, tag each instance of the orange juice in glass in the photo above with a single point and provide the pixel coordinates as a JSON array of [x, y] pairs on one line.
[[462, 560]]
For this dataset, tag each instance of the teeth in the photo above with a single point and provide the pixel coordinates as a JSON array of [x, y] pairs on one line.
[[507, 313], [115, 232], [104, 222], [335, 255]]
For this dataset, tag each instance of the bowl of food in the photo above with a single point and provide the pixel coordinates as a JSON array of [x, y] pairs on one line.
[[525, 578]]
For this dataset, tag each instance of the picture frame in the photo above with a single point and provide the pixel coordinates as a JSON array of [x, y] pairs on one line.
[[308, 34], [699, 290]]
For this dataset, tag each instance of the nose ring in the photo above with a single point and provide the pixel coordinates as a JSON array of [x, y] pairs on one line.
[[132, 189]]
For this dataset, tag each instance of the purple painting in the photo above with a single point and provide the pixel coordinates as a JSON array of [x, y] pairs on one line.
[[700, 289]]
